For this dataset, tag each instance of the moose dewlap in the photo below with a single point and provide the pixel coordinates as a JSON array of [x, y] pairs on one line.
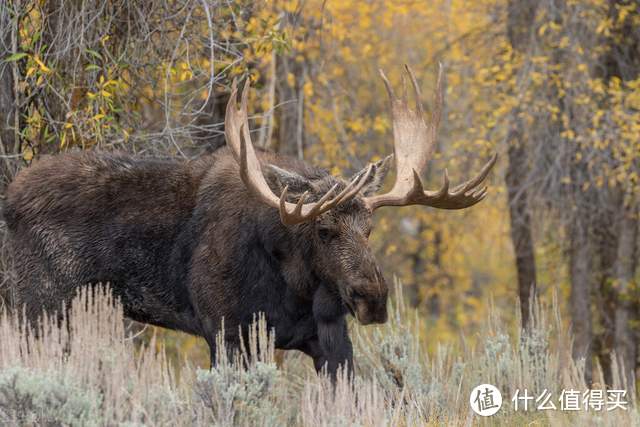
[[185, 244]]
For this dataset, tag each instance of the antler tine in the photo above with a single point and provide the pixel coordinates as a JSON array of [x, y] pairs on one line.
[[405, 98], [473, 182], [354, 186], [347, 193], [299, 215], [438, 100], [416, 90], [414, 142], [387, 85], [320, 204], [300, 203], [238, 137]]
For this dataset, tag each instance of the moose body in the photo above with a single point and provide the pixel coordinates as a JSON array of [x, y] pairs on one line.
[[182, 244], [203, 246]]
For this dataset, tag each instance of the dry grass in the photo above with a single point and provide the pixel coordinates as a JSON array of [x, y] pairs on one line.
[[96, 375]]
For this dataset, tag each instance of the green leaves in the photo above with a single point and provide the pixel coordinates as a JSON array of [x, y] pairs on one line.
[[93, 53], [15, 57]]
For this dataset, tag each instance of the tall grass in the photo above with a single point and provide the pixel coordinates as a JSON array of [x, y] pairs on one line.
[[87, 371]]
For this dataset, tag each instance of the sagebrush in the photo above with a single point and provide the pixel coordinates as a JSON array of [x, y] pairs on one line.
[[86, 370]]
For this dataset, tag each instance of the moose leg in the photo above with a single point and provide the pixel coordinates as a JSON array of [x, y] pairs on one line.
[[231, 348], [312, 349], [231, 342], [336, 345], [335, 348]]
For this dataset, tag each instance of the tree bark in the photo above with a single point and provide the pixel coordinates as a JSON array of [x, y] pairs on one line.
[[7, 98], [521, 235], [626, 339], [605, 239], [290, 111], [7, 132], [621, 60], [521, 14], [291, 75], [582, 274]]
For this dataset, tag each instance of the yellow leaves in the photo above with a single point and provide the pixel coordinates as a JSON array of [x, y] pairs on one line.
[[564, 42], [108, 82], [597, 86], [290, 6], [291, 79], [582, 99], [632, 99], [550, 25], [614, 83], [41, 65], [347, 54], [391, 249], [27, 153], [543, 29], [307, 89], [380, 124], [357, 125], [34, 65], [604, 27], [30, 71], [595, 120], [537, 78], [185, 71]]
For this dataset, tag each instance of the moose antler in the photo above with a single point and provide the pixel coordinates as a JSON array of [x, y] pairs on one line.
[[237, 134], [414, 142]]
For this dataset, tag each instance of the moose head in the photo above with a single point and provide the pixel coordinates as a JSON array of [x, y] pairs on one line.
[[335, 214]]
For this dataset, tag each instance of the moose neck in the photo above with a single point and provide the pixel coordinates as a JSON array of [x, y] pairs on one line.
[[290, 251]]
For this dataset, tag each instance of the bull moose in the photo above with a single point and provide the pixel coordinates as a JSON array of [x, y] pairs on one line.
[[185, 244]]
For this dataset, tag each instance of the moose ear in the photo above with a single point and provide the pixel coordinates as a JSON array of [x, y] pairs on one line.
[[279, 178], [379, 172]]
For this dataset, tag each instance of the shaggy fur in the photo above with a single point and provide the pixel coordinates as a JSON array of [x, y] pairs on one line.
[[184, 245]]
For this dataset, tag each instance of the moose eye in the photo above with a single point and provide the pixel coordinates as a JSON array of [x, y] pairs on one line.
[[325, 234]]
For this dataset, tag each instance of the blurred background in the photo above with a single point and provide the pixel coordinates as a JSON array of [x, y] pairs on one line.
[[551, 85]]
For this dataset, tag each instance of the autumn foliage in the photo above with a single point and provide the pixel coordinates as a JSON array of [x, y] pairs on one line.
[[551, 85]]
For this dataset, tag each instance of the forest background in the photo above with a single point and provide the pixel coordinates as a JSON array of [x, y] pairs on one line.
[[553, 86]]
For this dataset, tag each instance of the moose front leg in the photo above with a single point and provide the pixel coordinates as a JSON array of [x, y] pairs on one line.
[[332, 348]]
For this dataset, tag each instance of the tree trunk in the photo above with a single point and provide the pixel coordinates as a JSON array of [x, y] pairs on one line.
[[290, 111], [521, 227], [7, 98], [621, 60], [626, 339], [582, 274], [8, 134], [605, 239], [521, 14]]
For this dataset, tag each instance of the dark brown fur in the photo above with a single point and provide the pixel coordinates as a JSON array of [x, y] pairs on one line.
[[183, 244]]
